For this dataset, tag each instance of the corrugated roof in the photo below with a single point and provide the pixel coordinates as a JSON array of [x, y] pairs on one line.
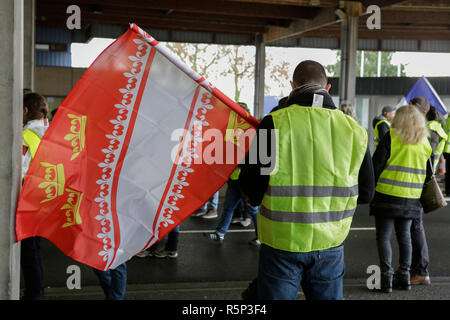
[[53, 58]]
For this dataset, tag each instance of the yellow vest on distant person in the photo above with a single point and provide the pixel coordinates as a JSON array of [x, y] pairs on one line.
[[376, 132], [235, 174], [406, 168], [436, 127], [447, 130], [32, 140]]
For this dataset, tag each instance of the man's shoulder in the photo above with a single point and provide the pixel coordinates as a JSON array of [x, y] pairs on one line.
[[281, 104]]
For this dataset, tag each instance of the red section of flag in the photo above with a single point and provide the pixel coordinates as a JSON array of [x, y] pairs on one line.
[[78, 192]]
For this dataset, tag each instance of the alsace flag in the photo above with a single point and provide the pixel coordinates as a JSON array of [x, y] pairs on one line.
[[423, 88], [121, 163]]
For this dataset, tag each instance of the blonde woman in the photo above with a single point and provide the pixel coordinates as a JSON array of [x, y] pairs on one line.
[[401, 166]]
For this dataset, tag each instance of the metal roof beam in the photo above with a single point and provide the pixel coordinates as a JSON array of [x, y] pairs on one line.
[[239, 9], [325, 17], [312, 3], [381, 3], [87, 14], [387, 33], [418, 5], [167, 25]]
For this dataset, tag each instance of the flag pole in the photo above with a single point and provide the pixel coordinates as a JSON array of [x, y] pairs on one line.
[[193, 75]]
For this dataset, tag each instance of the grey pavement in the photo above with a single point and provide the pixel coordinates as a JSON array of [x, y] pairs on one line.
[[354, 289]]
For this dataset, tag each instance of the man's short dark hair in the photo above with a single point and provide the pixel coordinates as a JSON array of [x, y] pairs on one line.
[[308, 72]]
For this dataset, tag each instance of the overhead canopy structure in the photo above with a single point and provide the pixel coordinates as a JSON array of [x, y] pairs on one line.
[[405, 25], [281, 22], [408, 25]]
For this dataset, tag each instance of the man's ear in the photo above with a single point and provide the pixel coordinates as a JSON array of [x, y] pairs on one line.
[[293, 86], [25, 110], [328, 87]]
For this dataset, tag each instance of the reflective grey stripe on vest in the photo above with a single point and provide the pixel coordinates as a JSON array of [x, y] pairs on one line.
[[401, 183], [312, 191], [305, 217], [406, 169]]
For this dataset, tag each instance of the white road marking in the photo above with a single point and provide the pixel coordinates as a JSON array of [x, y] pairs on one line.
[[253, 230]]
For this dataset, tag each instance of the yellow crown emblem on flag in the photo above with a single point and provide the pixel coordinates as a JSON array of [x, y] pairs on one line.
[[54, 181], [77, 134], [54, 186], [72, 208], [235, 128]]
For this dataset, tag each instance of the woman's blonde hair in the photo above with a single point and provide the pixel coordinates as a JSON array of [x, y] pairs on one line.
[[348, 110], [410, 125]]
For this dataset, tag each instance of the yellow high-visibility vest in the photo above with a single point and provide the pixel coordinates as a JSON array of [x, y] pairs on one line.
[[376, 132], [313, 190], [406, 168], [32, 140]]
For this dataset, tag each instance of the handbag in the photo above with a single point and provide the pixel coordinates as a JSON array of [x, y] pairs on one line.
[[432, 197]]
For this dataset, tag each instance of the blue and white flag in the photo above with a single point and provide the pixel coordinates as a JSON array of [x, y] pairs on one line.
[[270, 102], [423, 88]]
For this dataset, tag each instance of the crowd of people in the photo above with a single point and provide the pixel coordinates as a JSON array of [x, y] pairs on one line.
[[303, 210]]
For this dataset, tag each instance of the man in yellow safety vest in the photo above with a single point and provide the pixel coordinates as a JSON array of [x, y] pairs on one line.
[[319, 169], [382, 123]]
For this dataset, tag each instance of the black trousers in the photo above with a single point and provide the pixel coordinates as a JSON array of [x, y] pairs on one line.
[[420, 256], [32, 269], [172, 241]]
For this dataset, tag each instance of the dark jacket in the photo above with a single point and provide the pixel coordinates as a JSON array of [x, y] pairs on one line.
[[383, 128], [255, 185], [387, 206]]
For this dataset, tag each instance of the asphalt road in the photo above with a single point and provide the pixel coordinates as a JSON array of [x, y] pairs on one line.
[[202, 261]]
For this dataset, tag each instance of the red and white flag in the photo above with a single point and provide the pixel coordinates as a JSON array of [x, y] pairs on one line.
[[139, 144]]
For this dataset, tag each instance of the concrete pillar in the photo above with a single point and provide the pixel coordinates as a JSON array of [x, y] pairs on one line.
[[349, 45], [11, 87], [260, 63], [361, 71], [379, 64], [29, 44], [372, 114]]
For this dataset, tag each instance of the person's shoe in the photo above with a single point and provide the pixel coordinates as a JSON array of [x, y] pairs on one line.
[[417, 279], [386, 290], [255, 242], [403, 287], [236, 220], [211, 214], [383, 290], [246, 222], [166, 254], [214, 236], [144, 254], [199, 213], [401, 284], [386, 284]]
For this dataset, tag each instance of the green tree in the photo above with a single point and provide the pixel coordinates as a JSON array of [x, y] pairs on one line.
[[278, 73], [200, 57], [237, 62], [370, 65], [239, 67]]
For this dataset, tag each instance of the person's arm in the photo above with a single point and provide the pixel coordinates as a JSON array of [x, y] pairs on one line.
[[366, 181], [383, 128], [429, 170], [430, 162], [252, 180], [381, 156]]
